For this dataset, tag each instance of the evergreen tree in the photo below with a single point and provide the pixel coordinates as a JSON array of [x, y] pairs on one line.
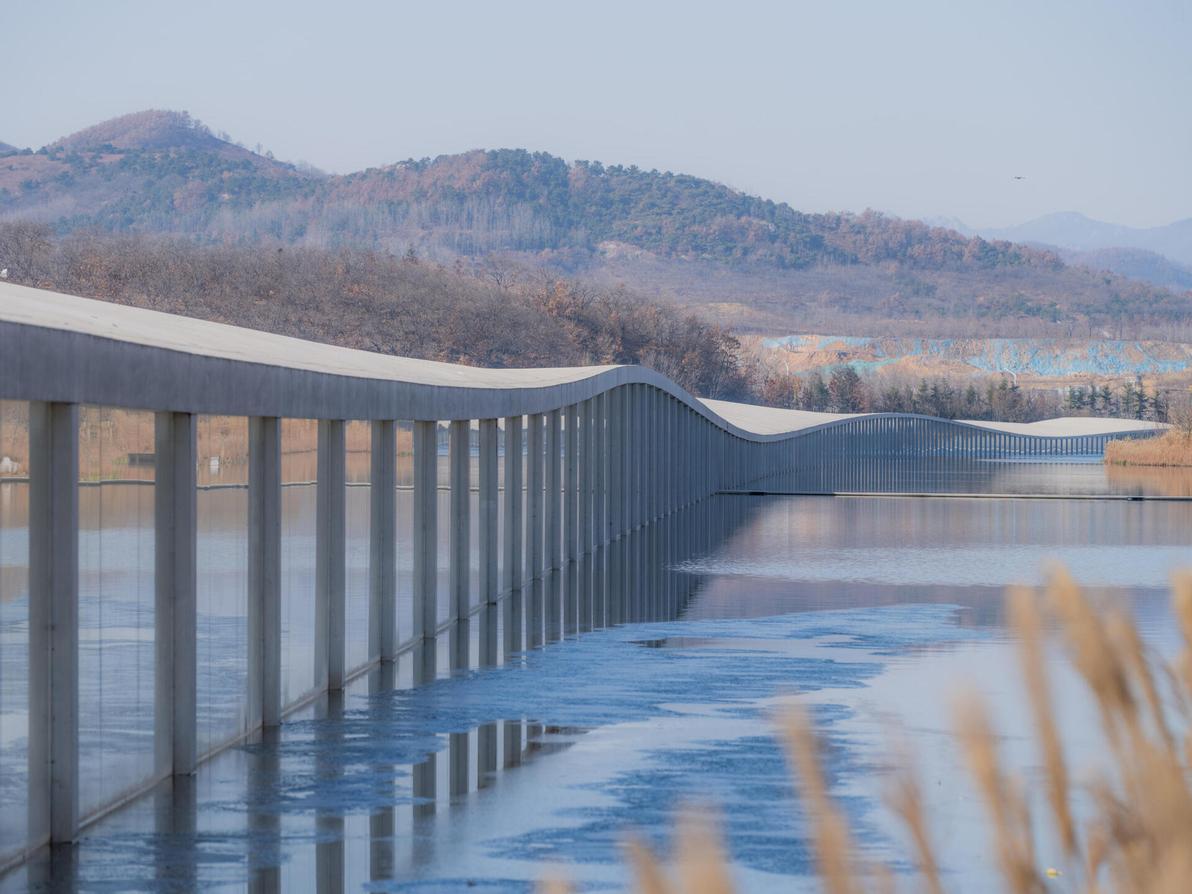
[[845, 390], [1107, 406], [972, 402], [815, 394]]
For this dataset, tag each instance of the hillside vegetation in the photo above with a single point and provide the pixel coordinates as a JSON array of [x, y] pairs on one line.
[[751, 263], [377, 302]]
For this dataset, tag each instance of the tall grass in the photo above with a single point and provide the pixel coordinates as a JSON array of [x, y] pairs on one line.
[[1173, 448], [1137, 835]]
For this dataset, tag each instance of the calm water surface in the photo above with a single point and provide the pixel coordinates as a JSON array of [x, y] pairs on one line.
[[874, 611]]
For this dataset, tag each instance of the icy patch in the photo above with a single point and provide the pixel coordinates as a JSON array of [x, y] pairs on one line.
[[1102, 565]]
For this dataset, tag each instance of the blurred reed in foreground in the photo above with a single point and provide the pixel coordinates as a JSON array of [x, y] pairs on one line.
[[1136, 838]]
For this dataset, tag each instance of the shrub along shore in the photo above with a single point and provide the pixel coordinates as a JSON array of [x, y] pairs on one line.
[[1171, 449]]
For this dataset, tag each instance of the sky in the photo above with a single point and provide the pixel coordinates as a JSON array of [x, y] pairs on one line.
[[920, 108]]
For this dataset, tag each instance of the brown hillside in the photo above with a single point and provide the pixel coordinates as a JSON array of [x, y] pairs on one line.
[[750, 262]]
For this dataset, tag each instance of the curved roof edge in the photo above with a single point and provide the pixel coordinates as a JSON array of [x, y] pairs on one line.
[[773, 420]]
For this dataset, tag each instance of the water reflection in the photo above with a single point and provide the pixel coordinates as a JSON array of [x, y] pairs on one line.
[[1073, 475], [460, 765]]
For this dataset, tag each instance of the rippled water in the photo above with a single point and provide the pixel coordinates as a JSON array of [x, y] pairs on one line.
[[874, 611]]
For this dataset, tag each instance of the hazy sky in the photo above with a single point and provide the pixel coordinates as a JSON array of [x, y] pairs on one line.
[[916, 107]]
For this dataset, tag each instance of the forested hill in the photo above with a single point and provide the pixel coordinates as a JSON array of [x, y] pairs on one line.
[[749, 261], [514, 199], [163, 171]]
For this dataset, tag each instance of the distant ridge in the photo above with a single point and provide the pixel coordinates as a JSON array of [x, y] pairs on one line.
[[5, 148], [1136, 263], [1075, 231]]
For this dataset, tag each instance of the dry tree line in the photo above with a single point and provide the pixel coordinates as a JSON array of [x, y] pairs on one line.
[[481, 315]]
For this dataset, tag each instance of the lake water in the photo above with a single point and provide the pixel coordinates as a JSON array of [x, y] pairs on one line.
[[874, 611]]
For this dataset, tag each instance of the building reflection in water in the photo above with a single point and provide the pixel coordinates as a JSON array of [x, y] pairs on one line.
[[400, 832], [343, 836]]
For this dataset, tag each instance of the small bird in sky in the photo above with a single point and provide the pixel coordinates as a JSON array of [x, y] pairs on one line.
[[1019, 177]]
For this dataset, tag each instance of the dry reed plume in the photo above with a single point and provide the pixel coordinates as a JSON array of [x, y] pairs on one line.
[[1173, 448], [1137, 834]]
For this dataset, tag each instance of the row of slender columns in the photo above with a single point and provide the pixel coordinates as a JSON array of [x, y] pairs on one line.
[[579, 548], [596, 472], [596, 475], [915, 436]]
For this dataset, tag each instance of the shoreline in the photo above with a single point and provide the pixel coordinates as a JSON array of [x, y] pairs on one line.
[[1170, 450]]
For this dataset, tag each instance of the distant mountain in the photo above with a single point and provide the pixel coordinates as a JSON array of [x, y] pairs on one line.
[[5, 148], [1136, 263], [750, 262], [149, 130], [1071, 230]]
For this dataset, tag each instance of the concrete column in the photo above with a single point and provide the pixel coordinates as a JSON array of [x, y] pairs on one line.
[[175, 617], [600, 460], [701, 461], [668, 453], [382, 548], [685, 456], [586, 510], [426, 528], [688, 457], [490, 583], [641, 443], [514, 556], [625, 584], [330, 556], [571, 518], [264, 570], [661, 466], [554, 527], [633, 501], [683, 441], [535, 497], [461, 523], [488, 530], [645, 435], [615, 438], [53, 621], [657, 499], [662, 440]]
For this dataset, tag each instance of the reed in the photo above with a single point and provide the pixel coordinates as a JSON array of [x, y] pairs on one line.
[[1137, 835], [1173, 448]]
